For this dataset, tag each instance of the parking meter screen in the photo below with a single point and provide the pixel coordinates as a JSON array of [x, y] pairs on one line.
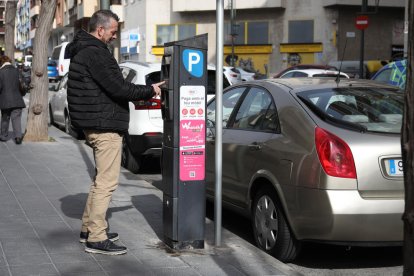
[[192, 133]]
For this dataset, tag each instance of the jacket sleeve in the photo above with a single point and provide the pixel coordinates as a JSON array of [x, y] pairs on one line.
[[106, 73]]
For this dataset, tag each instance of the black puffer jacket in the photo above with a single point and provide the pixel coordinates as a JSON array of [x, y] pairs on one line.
[[10, 96], [97, 93]]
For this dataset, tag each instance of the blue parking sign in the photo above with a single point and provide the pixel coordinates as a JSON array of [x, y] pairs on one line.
[[193, 62]]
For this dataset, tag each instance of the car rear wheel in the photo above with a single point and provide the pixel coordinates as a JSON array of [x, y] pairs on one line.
[[128, 161], [270, 229], [70, 130], [50, 119]]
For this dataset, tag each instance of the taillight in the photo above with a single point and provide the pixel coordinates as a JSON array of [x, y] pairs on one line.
[[334, 154], [61, 68], [233, 75], [149, 104], [152, 134]]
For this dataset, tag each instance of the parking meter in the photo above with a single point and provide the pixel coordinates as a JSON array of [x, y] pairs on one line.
[[183, 107]]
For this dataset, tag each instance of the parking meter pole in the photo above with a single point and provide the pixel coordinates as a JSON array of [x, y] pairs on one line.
[[183, 103], [219, 122]]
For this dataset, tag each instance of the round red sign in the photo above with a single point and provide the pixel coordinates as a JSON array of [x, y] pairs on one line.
[[361, 22]]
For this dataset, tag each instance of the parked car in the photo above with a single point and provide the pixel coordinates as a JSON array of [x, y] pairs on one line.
[[146, 125], [59, 111], [310, 159], [58, 55], [394, 73], [246, 74], [232, 75], [28, 60], [313, 73], [351, 67], [52, 71], [305, 66]]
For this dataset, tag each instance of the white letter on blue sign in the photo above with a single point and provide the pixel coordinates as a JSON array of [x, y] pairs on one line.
[[193, 58]]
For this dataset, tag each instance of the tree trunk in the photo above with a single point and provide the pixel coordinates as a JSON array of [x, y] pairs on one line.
[[408, 152], [9, 29], [37, 128]]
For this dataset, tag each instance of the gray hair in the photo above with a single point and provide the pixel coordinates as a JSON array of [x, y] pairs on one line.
[[101, 18]]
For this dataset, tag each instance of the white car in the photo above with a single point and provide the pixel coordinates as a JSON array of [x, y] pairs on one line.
[[232, 75], [246, 74], [145, 131], [313, 73], [144, 138]]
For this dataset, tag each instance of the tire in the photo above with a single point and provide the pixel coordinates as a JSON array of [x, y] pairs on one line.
[[70, 130], [128, 161], [270, 229], [50, 119]]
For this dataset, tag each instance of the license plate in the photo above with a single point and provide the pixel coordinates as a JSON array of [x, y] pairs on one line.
[[396, 167]]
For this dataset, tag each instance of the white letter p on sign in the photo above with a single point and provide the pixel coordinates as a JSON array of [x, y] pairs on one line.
[[193, 58]]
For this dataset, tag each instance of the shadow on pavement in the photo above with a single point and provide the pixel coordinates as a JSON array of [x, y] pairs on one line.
[[150, 206], [73, 205], [321, 256]]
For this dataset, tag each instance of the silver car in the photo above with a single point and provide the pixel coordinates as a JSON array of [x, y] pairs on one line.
[[311, 159], [58, 108]]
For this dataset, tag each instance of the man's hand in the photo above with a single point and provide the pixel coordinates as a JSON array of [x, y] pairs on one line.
[[157, 89]]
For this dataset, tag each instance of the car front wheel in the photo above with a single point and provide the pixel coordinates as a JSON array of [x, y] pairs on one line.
[[270, 229]]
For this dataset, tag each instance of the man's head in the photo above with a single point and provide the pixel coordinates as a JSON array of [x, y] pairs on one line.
[[104, 25], [4, 59]]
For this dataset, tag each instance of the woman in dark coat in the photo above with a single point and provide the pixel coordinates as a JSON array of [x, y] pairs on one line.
[[11, 101]]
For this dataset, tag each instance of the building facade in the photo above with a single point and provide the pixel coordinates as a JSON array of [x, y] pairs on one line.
[[27, 18], [268, 35]]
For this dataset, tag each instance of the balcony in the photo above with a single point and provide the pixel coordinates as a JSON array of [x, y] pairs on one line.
[[1, 30], [210, 5], [382, 3], [87, 8]]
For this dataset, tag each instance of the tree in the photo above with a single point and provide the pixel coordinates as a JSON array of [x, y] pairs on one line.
[[9, 28], [37, 128]]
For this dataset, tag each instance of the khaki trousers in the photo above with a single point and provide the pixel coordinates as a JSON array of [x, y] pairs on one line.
[[107, 148]]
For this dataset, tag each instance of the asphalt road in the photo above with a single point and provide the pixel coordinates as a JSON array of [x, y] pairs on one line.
[[314, 259]]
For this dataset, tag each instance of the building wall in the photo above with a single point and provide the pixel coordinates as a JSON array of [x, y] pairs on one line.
[[386, 28], [332, 20]]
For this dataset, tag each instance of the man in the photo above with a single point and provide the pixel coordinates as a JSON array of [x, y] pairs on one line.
[[98, 99]]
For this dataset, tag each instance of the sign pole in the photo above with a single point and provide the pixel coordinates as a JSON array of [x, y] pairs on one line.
[[219, 120], [361, 60]]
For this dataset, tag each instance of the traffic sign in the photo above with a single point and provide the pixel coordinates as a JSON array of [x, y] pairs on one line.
[[361, 22]]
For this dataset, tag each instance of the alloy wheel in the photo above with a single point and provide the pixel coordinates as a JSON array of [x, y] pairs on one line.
[[266, 222]]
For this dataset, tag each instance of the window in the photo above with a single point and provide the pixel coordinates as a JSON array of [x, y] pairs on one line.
[[258, 33], [257, 112], [230, 99], [168, 33], [384, 76], [301, 31], [128, 74], [378, 109], [255, 32]]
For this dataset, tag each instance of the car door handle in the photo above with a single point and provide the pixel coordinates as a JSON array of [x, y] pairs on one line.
[[255, 146]]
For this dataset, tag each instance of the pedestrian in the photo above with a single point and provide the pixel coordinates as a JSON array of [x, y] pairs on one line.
[[98, 99], [11, 101]]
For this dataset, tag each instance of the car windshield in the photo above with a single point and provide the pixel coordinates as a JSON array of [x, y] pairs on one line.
[[364, 109]]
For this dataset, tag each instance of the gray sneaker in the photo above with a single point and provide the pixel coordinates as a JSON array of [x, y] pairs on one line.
[[105, 247]]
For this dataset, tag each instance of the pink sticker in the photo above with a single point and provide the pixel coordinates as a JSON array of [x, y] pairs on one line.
[[192, 133]]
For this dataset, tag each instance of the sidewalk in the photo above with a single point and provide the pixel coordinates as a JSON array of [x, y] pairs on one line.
[[43, 191]]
